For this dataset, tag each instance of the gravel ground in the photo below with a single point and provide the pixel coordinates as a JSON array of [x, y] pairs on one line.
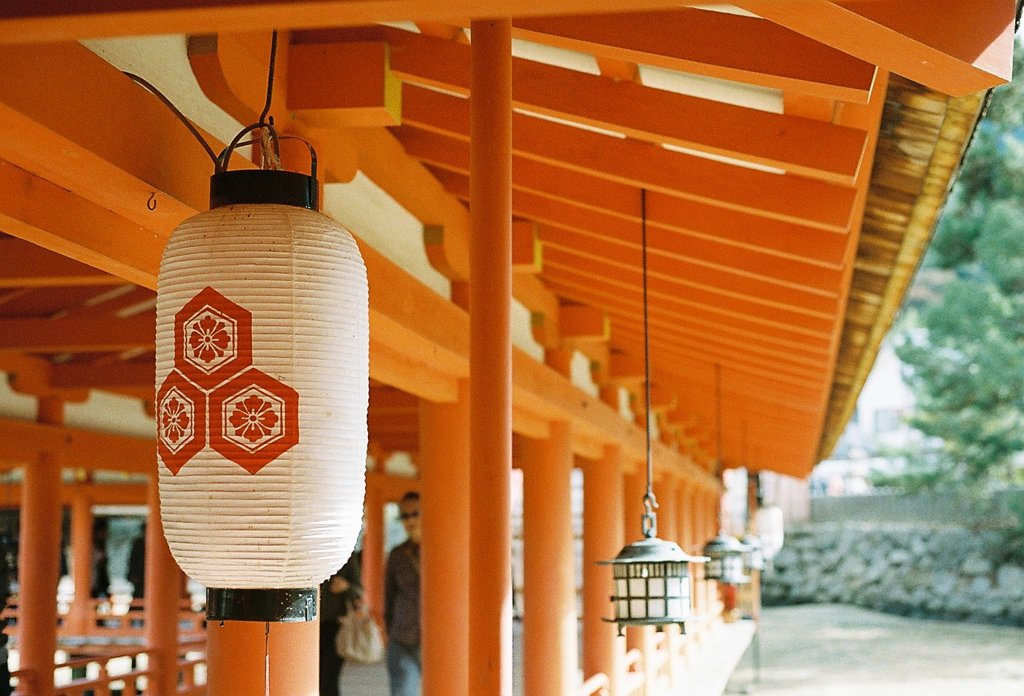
[[837, 650]]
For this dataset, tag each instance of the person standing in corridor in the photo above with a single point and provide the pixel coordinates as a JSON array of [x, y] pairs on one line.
[[402, 603]]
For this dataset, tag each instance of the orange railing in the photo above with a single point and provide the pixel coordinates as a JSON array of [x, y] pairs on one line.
[[633, 679], [127, 672], [111, 620], [598, 684]]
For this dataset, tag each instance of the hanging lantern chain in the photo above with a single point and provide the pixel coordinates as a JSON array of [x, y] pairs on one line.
[[649, 520]]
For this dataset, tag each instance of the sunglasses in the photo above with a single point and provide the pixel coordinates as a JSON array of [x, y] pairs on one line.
[[409, 515]]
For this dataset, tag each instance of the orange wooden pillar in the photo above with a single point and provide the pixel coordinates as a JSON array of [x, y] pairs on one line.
[[603, 651], [39, 563], [634, 488], [163, 596], [81, 560], [490, 360], [242, 655], [444, 504], [373, 548], [549, 587]]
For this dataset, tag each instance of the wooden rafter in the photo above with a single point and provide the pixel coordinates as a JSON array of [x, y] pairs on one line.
[[798, 145]]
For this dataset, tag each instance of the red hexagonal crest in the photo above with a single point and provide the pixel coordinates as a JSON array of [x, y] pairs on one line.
[[181, 421], [254, 419], [212, 339]]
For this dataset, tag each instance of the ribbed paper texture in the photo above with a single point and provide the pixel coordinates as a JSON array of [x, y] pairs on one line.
[[301, 278]]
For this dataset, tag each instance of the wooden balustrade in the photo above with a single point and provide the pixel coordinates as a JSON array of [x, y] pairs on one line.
[[598, 684], [634, 678], [126, 671], [111, 620]]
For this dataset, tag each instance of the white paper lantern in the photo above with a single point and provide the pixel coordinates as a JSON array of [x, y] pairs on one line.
[[262, 368]]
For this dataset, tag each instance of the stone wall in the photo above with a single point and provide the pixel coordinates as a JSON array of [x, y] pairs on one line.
[[912, 570]]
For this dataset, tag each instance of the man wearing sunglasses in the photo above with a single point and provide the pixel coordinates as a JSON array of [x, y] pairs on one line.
[[402, 603]]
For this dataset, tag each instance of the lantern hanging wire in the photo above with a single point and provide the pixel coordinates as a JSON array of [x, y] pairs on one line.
[[649, 521], [268, 139]]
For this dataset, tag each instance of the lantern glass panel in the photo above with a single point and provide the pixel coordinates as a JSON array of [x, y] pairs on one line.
[[637, 609], [657, 607], [675, 607], [734, 563], [623, 608], [656, 587], [675, 587], [637, 587], [621, 588]]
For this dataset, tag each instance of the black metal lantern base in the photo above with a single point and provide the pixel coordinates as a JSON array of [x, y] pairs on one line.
[[285, 605]]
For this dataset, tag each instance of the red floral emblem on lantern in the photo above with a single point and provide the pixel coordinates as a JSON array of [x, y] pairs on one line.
[[212, 339], [181, 421], [254, 419]]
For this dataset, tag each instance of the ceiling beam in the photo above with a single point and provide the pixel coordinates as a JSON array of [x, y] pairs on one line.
[[24, 440], [118, 375], [802, 146], [565, 280], [55, 218], [64, 20], [952, 46], [777, 196], [78, 335], [725, 46], [24, 265], [603, 273], [694, 219], [693, 259]]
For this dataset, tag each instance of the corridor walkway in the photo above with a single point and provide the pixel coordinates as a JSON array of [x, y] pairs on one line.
[[834, 650]]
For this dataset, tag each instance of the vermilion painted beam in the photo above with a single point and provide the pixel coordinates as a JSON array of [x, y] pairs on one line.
[[665, 263], [802, 146], [778, 196], [25, 265], [692, 258], [788, 240], [627, 304], [62, 20], [575, 285], [77, 335], [115, 375], [580, 322], [604, 274], [951, 46], [730, 47], [669, 333], [784, 367], [331, 85], [24, 440], [50, 216]]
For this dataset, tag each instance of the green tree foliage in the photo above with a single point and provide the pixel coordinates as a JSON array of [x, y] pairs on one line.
[[963, 338]]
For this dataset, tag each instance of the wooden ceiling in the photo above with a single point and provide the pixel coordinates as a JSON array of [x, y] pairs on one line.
[[786, 207]]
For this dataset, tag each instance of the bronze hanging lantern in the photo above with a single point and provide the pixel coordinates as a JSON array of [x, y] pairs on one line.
[[651, 578]]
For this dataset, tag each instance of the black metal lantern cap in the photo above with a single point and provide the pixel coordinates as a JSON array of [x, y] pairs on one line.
[[264, 186], [653, 550], [288, 605]]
